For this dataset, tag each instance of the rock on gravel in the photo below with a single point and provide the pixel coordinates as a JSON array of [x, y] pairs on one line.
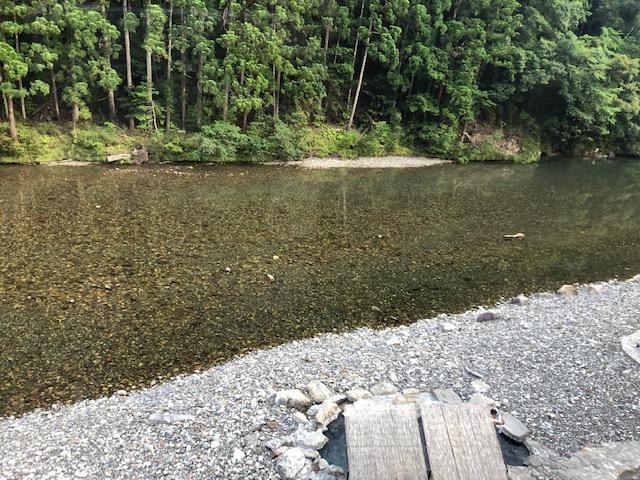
[[292, 398], [568, 361], [384, 388], [487, 316], [327, 413], [568, 290], [290, 463], [358, 394], [318, 391]]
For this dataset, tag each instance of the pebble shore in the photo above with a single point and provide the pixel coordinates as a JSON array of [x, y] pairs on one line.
[[553, 360]]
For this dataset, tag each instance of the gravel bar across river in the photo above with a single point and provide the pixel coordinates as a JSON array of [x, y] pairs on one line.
[[555, 362]]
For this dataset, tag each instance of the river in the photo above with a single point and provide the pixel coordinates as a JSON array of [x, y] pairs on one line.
[[115, 278]]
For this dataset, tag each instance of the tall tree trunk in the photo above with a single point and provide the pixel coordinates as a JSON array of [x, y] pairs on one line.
[[23, 108], [225, 105], [335, 53], [152, 109], [245, 115], [110, 93], [75, 115], [127, 54], [326, 42], [355, 55], [275, 95], [183, 79], [199, 92], [54, 93], [360, 78], [245, 120], [13, 131], [112, 106], [6, 106], [167, 120], [278, 82]]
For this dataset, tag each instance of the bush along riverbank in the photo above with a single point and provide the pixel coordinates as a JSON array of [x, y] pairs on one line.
[[223, 142]]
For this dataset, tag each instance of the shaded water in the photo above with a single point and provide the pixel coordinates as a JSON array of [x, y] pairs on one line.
[[112, 278]]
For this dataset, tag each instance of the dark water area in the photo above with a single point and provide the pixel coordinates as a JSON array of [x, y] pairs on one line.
[[112, 278]]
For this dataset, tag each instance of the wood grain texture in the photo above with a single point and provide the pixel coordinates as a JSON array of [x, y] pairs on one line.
[[384, 443], [461, 442]]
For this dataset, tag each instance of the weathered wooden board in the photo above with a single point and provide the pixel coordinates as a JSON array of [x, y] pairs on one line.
[[384, 443], [461, 442]]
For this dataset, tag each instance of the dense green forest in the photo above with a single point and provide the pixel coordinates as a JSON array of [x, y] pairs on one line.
[[437, 74]]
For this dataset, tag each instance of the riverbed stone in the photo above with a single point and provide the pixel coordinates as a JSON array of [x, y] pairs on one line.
[[394, 341], [487, 316], [327, 413], [446, 395], [482, 400], [384, 388], [299, 417], [514, 428], [169, 418], [519, 473], [356, 394], [290, 463], [631, 345], [568, 290], [292, 398], [318, 391], [305, 439], [480, 386], [448, 327], [520, 300]]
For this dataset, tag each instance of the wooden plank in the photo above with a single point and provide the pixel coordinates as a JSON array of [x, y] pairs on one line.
[[485, 433], [463, 436], [384, 443], [443, 464]]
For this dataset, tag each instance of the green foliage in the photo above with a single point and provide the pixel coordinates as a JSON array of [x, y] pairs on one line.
[[220, 142], [431, 69]]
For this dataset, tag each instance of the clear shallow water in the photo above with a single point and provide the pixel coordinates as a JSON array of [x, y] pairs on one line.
[[113, 278]]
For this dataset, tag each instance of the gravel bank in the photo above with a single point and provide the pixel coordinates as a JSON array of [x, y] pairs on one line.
[[556, 363], [365, 162]]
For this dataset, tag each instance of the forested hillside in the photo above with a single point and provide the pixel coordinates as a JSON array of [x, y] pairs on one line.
[[564, 72]]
